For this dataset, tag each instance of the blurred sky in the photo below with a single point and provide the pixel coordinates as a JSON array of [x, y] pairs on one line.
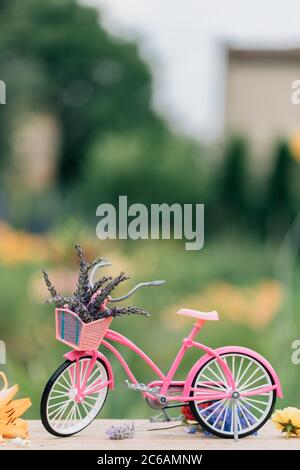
[[182, 40]]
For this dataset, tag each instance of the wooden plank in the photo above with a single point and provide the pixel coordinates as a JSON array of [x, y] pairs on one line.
[[93, 437]]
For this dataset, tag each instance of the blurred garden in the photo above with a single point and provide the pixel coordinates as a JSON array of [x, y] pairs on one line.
[[79, 129]]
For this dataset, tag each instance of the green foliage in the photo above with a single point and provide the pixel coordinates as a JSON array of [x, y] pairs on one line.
[[233, 180], [55, 56], [147, 167], [280, 201]]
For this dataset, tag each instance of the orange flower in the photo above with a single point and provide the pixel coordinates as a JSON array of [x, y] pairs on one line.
[[11, 425], [253, 305]]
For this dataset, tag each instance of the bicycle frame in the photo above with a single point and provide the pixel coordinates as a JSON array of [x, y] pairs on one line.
[[165, 381]]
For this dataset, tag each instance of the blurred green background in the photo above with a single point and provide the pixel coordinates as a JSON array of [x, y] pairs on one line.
[[79, 129]]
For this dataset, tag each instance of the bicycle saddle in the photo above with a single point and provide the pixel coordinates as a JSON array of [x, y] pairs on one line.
[[199, 315]]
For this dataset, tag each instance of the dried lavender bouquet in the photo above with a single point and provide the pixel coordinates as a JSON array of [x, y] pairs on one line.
[[88, 302]]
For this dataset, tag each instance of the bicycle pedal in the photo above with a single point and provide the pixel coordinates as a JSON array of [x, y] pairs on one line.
[[140, 387]]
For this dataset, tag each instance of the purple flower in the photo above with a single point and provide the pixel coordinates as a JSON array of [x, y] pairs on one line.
[[245, 418], [122, 431], [190, 429]]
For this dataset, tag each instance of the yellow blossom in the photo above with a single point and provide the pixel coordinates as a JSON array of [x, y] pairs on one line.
[[287, 421]]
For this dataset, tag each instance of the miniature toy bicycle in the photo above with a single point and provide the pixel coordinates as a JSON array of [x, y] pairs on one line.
[[231, 390]]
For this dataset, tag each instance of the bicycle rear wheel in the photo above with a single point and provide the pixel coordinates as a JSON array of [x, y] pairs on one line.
[[250, 412], [61, 414]]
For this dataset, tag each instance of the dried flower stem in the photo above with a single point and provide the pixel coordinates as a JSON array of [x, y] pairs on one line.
[[86, 301]]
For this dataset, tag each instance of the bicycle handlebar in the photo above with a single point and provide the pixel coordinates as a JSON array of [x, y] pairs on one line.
[[136, 288], [102, 264], [106, 262]]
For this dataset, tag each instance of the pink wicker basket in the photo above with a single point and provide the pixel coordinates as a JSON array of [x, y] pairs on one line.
[[71, 330]]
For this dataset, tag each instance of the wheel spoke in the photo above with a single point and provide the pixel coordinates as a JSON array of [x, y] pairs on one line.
[[78, 410], [212, 387], [260, 402], [69, 416], [82, 370], [67, 382], [242, 412], [248, 411], [253, 382], [53, 405], [253, 406], [225, 415], [243, 374], [59, 411], [216, 409], [71, 372], [210, 406], [58, 384], [259, 387], [249, 378], [91, 397], [238, 418], [94, 386], [91, 376], [218, 378], [85, 366], [239, 369], [222, 374], [59, 417], [232, 417], [219, 415], [57, 395], [74, 417], [84, 407], [90, 405]]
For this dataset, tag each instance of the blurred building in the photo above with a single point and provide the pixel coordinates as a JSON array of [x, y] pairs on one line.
[[258, 97], [35, 150]]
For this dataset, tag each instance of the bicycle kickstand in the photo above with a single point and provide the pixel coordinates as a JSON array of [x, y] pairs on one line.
[[235, 421]]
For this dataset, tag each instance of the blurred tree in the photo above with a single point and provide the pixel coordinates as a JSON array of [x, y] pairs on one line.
[[173, 171], [279, 202], [231, 189], [55, 57]]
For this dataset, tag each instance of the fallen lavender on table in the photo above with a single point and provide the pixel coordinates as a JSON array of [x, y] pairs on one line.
[[121, 431]]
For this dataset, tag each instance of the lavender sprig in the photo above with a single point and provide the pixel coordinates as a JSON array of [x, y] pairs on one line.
[[118, 311], [96, 304], [82, 301], [49, 285], [93, 290], [83, 277], [121, 431]]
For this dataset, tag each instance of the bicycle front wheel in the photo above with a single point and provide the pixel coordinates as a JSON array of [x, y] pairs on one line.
[[250, 412], [61, 413]]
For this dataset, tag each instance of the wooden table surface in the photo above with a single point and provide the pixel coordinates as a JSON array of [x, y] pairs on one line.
[[93, 437]]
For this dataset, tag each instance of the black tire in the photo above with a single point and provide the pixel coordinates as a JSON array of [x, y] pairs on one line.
[[46, 393], [204, 425]]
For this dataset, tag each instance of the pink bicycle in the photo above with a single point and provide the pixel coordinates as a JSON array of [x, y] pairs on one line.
[[231, 390]]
